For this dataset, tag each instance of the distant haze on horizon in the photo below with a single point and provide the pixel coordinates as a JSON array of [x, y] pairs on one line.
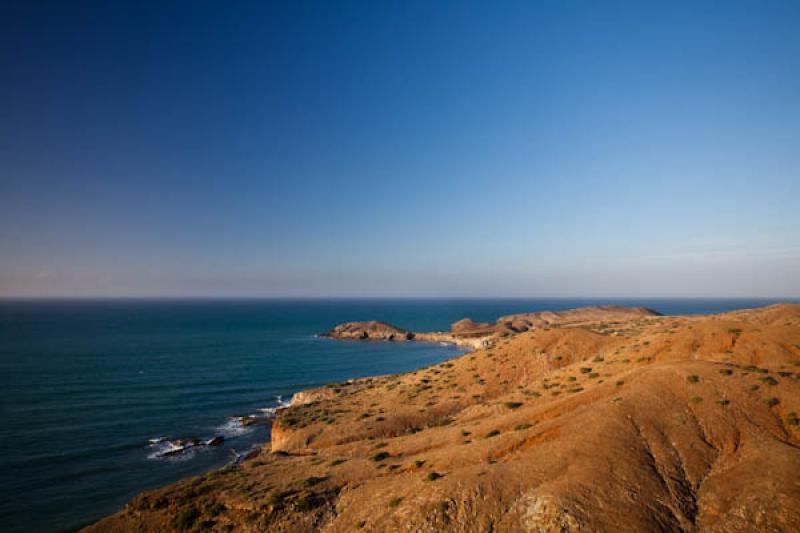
[[590, 149]]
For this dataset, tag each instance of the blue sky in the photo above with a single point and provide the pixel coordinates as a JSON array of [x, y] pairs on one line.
[[400, 149]]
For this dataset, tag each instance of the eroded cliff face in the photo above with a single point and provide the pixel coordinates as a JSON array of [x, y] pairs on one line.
[[610, 423]]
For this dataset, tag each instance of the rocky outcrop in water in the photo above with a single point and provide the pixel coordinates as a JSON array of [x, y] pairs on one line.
[[371, 330]]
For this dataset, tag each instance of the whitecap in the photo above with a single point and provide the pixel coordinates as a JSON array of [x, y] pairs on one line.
[[270, 412], [167, 451], [233, 427]]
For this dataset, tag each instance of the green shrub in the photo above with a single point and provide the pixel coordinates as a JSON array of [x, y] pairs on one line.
[[493, 433], [792, 419], [696, 399], [216, 509], [186, 518], [418, 463], [380, 456], [521, 427], [694, 378], [726, 371], [303, 504], [433, 476], [723, 402], [311, 481], [274, 498], [772, 402], [337, 462], [513, 405], [394, 502], [585, 370], [769, 380]]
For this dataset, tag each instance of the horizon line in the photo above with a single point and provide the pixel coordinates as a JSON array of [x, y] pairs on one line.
[[389, 297]]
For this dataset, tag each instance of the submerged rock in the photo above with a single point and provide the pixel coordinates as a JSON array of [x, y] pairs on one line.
[[219, 440]]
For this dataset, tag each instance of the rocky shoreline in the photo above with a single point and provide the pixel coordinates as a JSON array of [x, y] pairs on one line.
[[468, 333], [597, 419]]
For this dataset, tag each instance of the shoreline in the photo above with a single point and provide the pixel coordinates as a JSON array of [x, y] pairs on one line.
[[375, 450]]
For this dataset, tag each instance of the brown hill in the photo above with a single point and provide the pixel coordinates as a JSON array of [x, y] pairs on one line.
[[608, 423]]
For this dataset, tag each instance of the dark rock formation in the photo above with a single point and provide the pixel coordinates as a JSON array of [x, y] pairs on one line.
[[371, 330]]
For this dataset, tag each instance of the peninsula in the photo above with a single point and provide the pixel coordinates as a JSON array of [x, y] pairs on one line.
[[597, 419]]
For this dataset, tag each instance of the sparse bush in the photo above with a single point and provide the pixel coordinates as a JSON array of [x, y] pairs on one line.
[[769, 380], [521, 427], [433, 476], [694, 378], [186, 518], [726, 371], [723, 402], [311, 481], [380, 456], [696, 399], [274, 498], [771, 402], [216, 509], [620, 383], [594, 375], [792, 419], [513, 405], [418, 463], [303, 504], [337, 462], [585, 370], [493, 433], [394, 502]]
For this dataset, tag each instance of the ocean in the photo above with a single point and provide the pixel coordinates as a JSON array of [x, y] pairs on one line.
[[91, 388]]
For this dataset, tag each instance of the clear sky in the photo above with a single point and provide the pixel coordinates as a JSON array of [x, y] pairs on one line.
[[400, 148]]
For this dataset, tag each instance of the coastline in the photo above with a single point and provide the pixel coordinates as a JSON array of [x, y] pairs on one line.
[[340, 452]]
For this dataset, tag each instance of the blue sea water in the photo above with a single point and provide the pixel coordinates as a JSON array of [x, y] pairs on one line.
[[88, 383]]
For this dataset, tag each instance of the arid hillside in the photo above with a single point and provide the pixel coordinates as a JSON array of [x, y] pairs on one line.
[[615, 423]]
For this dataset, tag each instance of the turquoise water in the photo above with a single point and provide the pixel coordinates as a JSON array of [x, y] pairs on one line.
[[87, 384]]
